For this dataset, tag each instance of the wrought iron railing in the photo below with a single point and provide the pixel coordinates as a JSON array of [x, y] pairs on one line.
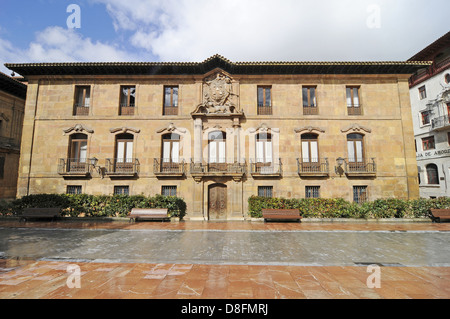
[[214, 168], [125, 167], [168, 166], [314, 166], [75, 166], [360, 167], [261, 167]]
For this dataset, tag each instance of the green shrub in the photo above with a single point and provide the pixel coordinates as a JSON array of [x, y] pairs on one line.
[[83, 205], [340, 208]]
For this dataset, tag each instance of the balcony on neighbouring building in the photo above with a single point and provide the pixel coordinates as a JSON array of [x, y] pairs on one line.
[[318, 168], [266, 169], [441, 123], [168, 168], [69, 167], [122, 167]]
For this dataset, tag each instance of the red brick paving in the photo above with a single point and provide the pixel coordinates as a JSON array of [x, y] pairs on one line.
[[28, 279]]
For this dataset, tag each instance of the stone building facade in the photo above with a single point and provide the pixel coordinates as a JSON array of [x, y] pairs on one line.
[[12, 104], [218, 132], [430, 105]]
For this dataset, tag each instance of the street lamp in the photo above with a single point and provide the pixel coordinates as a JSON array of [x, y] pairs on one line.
[[339, 170]]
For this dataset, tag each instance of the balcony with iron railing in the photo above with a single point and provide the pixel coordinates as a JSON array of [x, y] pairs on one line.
[[441, 123], [81, 109], [71, 167], [260, 168], [235, 169], [127, 109], [168, 168], [359, 168], [313, 168], [432, 70], [122, 167]]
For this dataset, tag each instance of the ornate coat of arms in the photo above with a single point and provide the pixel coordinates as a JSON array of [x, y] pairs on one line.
[[217, 95]]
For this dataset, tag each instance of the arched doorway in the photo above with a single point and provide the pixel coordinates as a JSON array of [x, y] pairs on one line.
[[217, 202]]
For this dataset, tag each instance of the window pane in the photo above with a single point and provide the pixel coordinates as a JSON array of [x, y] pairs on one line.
[[268, 97], [268, 152], [314, 152], [83, 152], [120, 152], [313, 96], [349, 97], [305, 97], [167, 96], [305, 152], [175, 152], [259, 152], [355, 97], [222, 152], [351, 151], [260, 96], [166, 152], [129, 154], [212, 152], [175, 96], [359, 151]]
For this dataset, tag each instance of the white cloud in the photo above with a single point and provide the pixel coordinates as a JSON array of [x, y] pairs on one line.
[[241, 30], [56, 44]]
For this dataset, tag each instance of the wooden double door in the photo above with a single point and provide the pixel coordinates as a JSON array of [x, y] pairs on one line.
[[217, 202]]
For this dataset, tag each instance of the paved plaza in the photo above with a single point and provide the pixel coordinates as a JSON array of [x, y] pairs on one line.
[[223, 260]]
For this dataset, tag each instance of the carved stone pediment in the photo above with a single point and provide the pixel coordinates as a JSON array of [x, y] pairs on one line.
[[218, 97], [123, 130], [356, 128], [79, 128], [170, 129]]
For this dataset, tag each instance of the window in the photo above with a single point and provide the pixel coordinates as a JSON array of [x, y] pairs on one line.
[[78, 149], [169, 191], [265, 100], [428, 143], [171, 148], [217, 147], [309, 101], [265, 191], [447, 78], [124, 148], [264, 148], [432, 174], [74, 190], [355, 145], [82, 100], [425, 118], [2, 167], [422, 92], [353, 100], [121, 190], [310, 148], [360, 194], [312, 192], [171, 100], [127, 100]]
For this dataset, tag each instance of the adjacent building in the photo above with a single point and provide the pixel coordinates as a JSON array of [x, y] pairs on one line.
[[218, 132], [12, 104], [430, 104]]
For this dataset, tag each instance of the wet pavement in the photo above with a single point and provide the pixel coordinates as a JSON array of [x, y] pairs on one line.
[[224, 260]]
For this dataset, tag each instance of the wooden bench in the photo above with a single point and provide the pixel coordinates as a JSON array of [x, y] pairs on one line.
[[149, 214], [40, 213], [281, 214], [439, 214]]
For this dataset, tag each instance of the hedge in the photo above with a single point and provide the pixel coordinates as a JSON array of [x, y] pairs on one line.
[[340, 208], [83, 205]]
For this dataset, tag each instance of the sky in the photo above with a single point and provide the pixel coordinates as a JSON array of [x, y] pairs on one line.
[[36, 31]]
